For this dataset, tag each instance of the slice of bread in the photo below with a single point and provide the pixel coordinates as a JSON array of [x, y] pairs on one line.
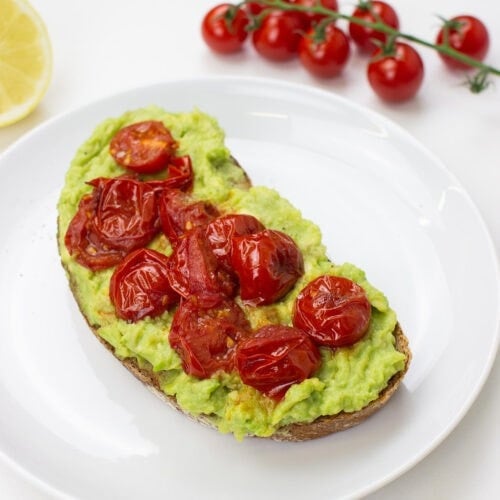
[[322, 426]]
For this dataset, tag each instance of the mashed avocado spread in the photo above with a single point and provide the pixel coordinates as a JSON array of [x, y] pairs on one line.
[[348, 379]]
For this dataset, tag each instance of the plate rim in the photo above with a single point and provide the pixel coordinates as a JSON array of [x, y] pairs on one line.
[[380, 118]]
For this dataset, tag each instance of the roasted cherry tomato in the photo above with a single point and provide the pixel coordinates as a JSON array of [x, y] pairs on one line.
[[195, 271], [144, 147], [278, 36], [312, 17], [179, 175], [139, 285], [221, 231], [276, 357], [205, 337], [372, 11], [119, 216], [396, 77], [267, 264], [179, 213], [334, 311], [327, 56], [224, 28], [468, 35]]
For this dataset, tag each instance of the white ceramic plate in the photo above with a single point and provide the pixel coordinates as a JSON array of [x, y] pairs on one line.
[[75, 421]]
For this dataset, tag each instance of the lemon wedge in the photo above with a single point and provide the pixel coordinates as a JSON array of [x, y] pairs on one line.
[[25, 60]]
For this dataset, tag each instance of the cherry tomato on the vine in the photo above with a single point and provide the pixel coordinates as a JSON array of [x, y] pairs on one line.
[[224, 28], [327, 57], [372, 11], [276, 357], [334, 311], [468, 35], [278, 37], [396, 77], [254, 8], [144, 147], [313, 17], [139, 285]]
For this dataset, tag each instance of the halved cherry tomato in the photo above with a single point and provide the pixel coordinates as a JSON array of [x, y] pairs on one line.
[[205, 337], [224, 28], [278, 37], [276, 357], [397, 76], [194, 270], [268, 264], [468, 35], [139, 285], [120, 215], [179, 175], [312, 17], [179, 213], [327, 57], [144, 147], [221, 231], [334, 311], [372, 11]]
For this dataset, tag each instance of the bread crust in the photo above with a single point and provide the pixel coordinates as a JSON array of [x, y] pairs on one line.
[[320, 427]]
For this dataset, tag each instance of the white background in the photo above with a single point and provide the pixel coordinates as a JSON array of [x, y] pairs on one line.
[[102, 47]]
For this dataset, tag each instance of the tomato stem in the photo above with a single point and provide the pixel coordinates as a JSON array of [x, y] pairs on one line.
[[476, 83]]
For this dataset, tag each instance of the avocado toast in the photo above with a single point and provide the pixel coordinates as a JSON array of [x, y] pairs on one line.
[[350, 382]]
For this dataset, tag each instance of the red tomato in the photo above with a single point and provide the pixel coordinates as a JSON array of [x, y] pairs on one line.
[[224, 28], [144, 147], [179, 175], [278, 37], [396, 77], [139, 286], [205, 337], [119, 216], [468, 35], [221, 231], [254, 8], [371, 12], [194, 270], [312, 17], [276, 357], [267, 264], [334, 311], [325, 58], [179, 213]]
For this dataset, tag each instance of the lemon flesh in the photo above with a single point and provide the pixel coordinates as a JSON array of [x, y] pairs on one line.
[[25, 60]]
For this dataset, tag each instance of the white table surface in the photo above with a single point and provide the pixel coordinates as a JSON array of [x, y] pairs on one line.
[[101, 47]]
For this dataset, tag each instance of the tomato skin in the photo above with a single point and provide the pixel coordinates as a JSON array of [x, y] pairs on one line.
[[139, 286], [144, 147], [276, 357], [120, 215], [361, 35], [327, 58], [396, 78], [205, 337], [254, 8], [334, 311], [194, 270], [179, 175], [277, 38], [221, 231], [312, 18], [267, 264], [178, 213], [218, 35], [471, 38]]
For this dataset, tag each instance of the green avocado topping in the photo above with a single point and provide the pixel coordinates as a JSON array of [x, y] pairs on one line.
[[349, 378]]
